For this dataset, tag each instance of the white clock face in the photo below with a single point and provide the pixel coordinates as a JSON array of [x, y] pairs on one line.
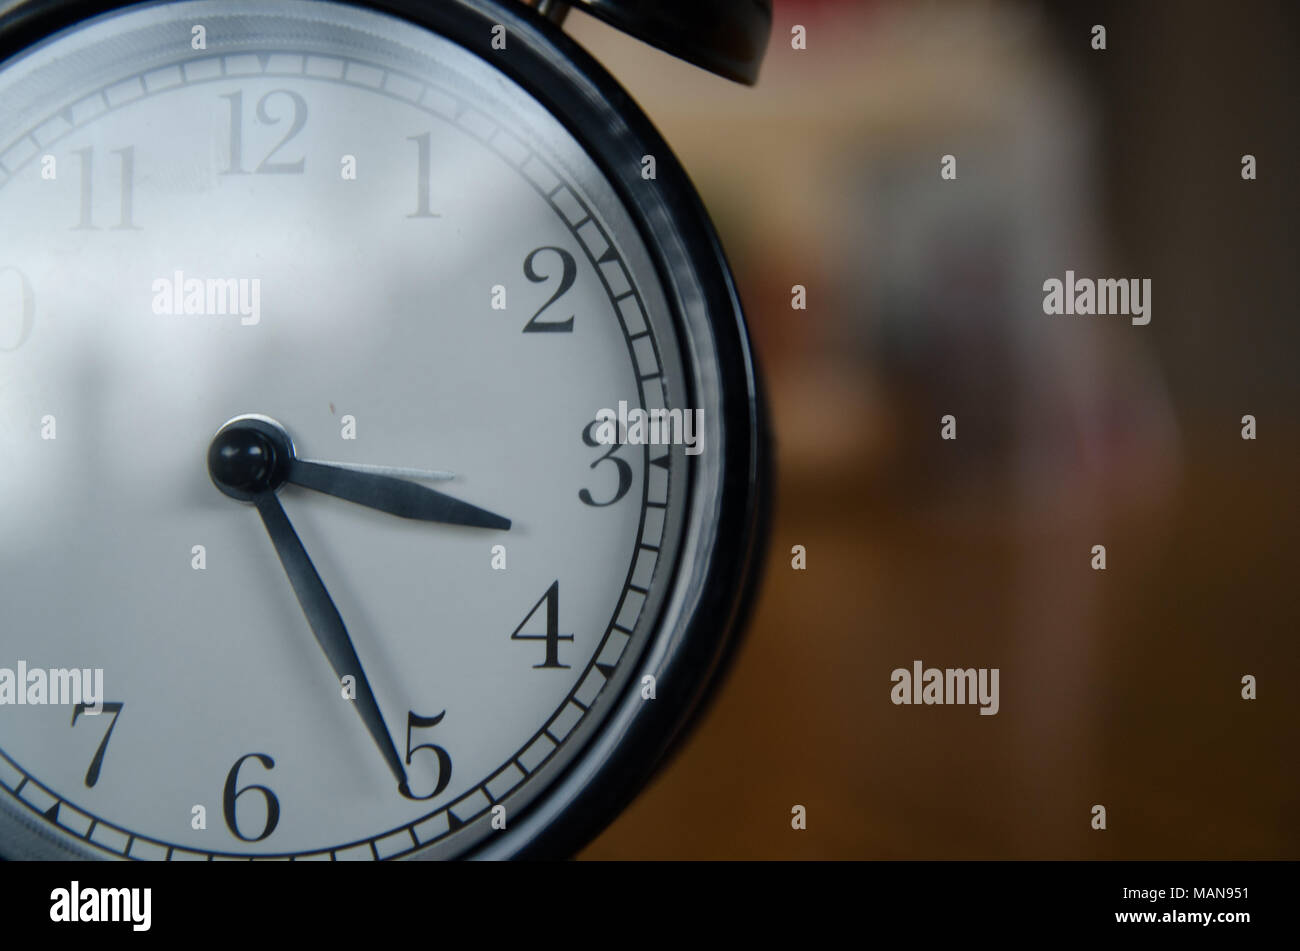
[[339, 221]]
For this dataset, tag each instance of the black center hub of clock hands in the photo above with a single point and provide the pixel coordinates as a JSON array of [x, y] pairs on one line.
[[248, 456], [250, 459]]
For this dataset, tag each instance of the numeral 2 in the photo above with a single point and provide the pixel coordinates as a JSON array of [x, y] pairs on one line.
[[567, 276]]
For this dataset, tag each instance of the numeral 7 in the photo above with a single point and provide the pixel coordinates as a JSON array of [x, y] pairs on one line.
[[92, 774]]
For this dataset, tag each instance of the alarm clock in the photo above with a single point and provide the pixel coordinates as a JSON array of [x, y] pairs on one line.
[[385, 466]]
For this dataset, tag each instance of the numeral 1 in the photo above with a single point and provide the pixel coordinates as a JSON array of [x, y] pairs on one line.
[[424, 172]]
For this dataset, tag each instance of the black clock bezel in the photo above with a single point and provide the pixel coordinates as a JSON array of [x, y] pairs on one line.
[[615, 133]]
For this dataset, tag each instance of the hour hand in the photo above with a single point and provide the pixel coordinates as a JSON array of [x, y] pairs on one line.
[[390, 494]]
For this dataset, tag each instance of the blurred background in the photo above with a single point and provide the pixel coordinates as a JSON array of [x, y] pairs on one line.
[[924, 298]]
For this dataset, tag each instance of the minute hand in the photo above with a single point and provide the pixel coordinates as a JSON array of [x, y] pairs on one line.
[[392, 495], [324, 620]]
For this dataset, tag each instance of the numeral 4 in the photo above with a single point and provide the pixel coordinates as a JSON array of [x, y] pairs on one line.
[[552, 637]]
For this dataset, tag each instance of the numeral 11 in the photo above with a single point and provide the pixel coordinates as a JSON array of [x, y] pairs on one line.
[[126, 220]]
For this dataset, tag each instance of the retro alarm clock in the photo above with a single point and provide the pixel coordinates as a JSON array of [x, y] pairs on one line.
[[384, 461]]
